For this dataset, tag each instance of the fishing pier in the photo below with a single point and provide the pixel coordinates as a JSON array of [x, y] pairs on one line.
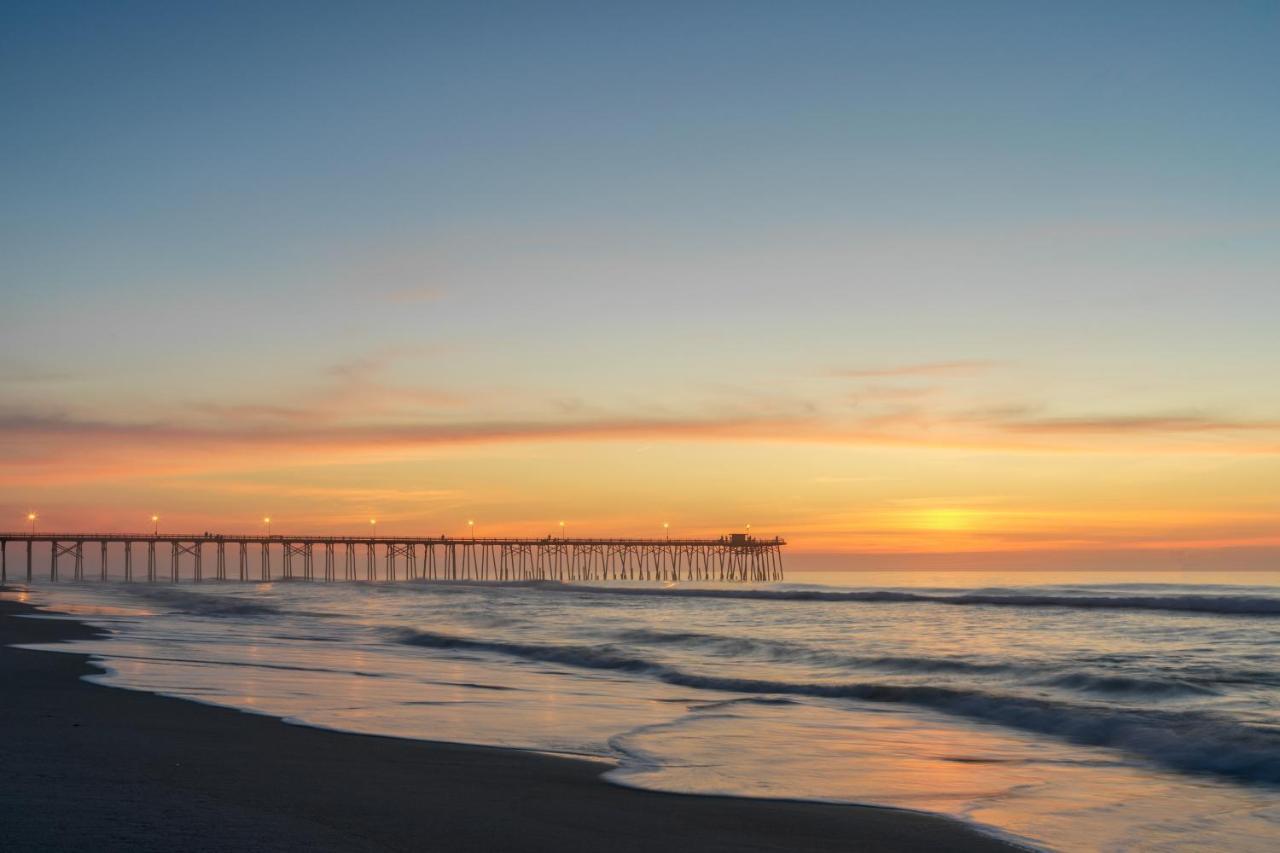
[[164, 557]]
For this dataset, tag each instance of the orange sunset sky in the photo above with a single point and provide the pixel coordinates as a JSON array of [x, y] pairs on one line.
[[899, 305]]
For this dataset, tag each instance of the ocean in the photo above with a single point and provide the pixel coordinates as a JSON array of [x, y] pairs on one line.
[[1098, 711]]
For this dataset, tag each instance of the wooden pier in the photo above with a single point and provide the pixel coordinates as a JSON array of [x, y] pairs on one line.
[[735, 557]]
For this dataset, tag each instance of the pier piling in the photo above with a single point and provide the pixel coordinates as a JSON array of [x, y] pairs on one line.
[[733, 558]]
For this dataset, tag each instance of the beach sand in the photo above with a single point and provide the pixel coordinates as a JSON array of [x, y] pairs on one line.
[[93, 768]]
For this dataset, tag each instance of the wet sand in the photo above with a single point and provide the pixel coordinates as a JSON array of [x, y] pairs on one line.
[[87, 767]]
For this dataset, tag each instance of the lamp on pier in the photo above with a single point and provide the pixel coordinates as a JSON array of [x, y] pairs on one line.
[[31, 517], [155, 525], [267, 522], [471, 524], [562, 530], [666, 529]]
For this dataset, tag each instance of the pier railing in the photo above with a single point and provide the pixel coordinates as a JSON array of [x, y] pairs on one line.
[[259, 558]]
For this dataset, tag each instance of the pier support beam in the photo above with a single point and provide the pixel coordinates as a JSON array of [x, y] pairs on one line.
[[732, 558]]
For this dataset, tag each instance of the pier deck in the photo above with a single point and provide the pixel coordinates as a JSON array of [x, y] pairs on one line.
[[736, 557]]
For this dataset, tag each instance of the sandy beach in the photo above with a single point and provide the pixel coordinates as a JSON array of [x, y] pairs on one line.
[[89, 767]]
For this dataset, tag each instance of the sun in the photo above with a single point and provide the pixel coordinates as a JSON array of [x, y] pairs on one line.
[[947, 519]]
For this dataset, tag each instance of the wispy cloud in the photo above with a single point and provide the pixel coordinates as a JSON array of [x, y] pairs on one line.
[[355, 387], [828, 479], [24, 373], [425, 433], [876, 394], [370, 407], [45, 448], [928, 368], [253, 412], [1137, 424], [420, 295], [346, 494]]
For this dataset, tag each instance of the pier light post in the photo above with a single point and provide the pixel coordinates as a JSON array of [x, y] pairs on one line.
[[562, 530], [471, 524], [666, 530], [267, 522], [155, 525], [373, 527], [31, 517]]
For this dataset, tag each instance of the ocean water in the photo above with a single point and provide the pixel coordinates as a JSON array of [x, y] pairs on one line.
[[1073, 712]]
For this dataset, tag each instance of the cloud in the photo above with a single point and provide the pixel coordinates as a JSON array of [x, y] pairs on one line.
[[873, 394], [355, 416], [58, 448], [1136, 424], [424, 433], [422, 295], [380, 360], [928, 368], [831, 479], [254, 412], [347, 494], [357, 385], [23, 373]]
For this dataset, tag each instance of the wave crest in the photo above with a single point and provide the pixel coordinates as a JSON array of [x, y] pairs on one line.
[[789, 652], [1233, 605], [206, 604], [1190, 742]]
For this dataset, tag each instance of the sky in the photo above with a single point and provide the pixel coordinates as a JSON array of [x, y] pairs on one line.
[[897, 281]]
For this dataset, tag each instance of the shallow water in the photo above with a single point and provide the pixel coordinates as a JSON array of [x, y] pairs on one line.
[[1074, 711]]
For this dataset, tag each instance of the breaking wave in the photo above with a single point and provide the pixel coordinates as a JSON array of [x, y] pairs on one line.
[[1236, 605], [783, 651], [1191, 742], [204, 604], [1126, 685], [211, 604]]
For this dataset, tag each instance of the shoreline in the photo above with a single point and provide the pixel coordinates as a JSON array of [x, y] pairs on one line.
[[93, 766]]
